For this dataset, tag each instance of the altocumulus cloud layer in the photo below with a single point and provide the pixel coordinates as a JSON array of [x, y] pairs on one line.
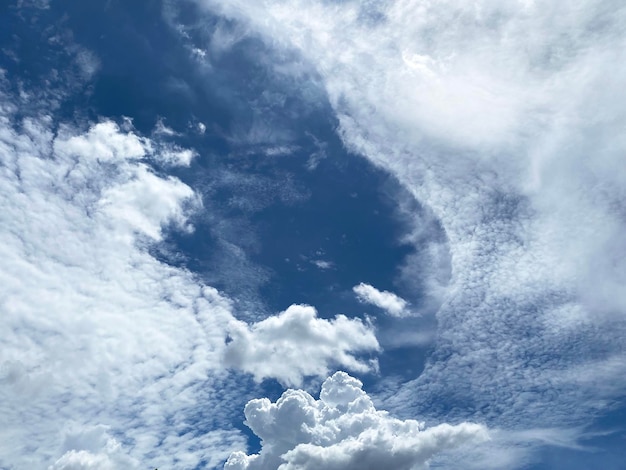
[[502, 118], [108, 354]]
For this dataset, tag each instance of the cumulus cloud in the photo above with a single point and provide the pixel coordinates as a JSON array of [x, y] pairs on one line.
[[342, 430], [93, 449], [388, 301], [296, 343]]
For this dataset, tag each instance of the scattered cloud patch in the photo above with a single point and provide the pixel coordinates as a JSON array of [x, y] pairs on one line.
[[172, 155], [323, 264], [342, 430], [280, 150], [296, 343], [388, 301]]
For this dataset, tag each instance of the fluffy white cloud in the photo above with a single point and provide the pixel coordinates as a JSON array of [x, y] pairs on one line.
[[388, 301], [296, 343], [342, 430]]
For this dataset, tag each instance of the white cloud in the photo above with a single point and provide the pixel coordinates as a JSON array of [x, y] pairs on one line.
[[83, 460], [323, 264], [296, 344], [93, 449], [163, 130], [172, 155], [36, 4], [167, 153], [91, 320], [510, 449], [388, 301], [342, 430]]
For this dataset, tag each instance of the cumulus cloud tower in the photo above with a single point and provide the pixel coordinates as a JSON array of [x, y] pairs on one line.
[[342, 430]]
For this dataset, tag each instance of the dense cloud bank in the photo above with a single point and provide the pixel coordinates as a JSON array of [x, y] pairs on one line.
[[342, 430]]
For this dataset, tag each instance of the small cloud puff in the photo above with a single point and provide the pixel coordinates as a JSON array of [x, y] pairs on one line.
[[323, 264], [342, 430], [388, 301], [295, 344]]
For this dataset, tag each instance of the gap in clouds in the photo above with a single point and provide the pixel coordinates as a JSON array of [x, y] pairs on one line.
[[299, 218]]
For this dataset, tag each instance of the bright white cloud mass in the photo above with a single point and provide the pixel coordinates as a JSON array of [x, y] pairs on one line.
[[504, 120], [342, 430], [296, 343]]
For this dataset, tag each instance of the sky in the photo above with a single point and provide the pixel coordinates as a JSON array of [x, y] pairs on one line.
[[312, 234]]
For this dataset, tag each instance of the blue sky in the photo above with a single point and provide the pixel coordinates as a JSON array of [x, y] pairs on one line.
[[303, 234]]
